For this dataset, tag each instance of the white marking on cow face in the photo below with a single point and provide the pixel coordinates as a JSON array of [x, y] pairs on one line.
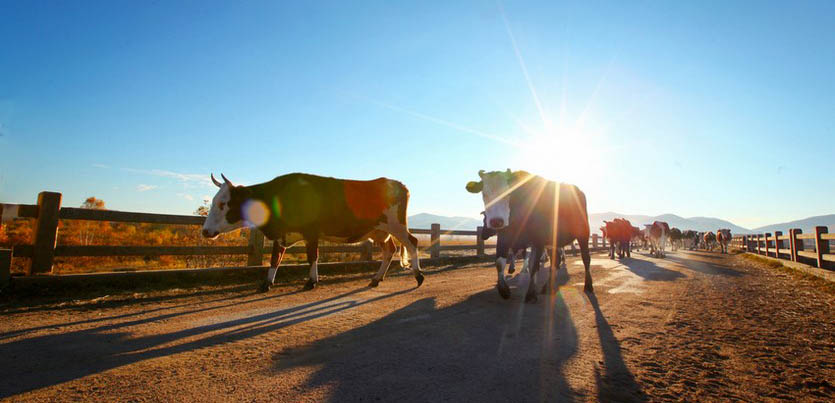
[[494, 188], [216, 223]]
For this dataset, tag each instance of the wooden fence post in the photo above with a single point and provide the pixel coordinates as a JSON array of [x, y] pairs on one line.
[[759, 239], [367, 251], [778, 244], [435, 237], [46, 232], [593, 241], [255, 257], [479, 241], [821, 245], [5, 267], [793, 242], [767, 234]]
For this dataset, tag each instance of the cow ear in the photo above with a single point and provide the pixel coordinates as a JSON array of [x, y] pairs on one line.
[[474, 187]]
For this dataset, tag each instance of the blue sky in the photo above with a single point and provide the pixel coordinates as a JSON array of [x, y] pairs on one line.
[[722, 109]]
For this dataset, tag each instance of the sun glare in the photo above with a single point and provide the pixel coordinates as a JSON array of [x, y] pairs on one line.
[[564, 155]]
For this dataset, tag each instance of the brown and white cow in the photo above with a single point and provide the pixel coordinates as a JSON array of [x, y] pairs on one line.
[[301, 207], [532, 211], [659, 231], [723, 237], [709, 240]]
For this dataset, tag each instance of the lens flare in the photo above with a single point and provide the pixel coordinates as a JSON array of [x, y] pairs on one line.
[[256, 212]]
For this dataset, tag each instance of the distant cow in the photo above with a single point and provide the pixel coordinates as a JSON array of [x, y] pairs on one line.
[[296, 207], [710, 240], [658, 233], [619, 233], [675, 238], [723, 237], [690, 239], [522, 207]]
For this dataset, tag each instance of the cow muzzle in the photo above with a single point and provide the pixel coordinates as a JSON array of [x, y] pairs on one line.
[[497, 223], [209, 234]]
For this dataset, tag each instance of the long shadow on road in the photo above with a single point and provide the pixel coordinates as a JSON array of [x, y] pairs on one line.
[[648, 270], [713, 268], [481, 349], [42, 361]]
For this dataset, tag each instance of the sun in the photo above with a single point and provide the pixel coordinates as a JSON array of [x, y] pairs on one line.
[[570, 155]]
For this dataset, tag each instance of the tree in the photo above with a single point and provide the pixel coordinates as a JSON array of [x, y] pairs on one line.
[[87, 231]]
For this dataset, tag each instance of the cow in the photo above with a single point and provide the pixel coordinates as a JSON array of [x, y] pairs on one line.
[[533, 211], [302, 207], [691, 239], [637, 238], [619, 233], [723, 237], [709, 239], [658, 233], [675, 238], [517, 251]]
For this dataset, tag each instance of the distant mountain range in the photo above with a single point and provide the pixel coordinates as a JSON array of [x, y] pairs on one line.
[[425, 220]]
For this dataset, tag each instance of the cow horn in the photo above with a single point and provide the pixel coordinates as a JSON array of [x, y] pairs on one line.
[[228, 182], [215, 180], [480, 173]]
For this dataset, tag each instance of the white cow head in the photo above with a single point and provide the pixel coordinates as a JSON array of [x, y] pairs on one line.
[[225, 213], [495, 189]]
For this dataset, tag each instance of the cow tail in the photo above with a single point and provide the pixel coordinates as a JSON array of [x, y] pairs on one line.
[[402, 200]]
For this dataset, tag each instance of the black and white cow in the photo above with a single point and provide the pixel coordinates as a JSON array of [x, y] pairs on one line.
[[521, 207], [518, 251], [301, 207]]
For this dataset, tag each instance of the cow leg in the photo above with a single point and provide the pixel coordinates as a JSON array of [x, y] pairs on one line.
[[312, 244], [586, 255], [388, 247], [275, 260], [502, 251], [530, 295], [611, 250], [526, 264], [511, 262], [410, 244]]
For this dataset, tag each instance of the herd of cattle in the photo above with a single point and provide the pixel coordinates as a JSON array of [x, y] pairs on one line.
[[522, 210], [622, 236]]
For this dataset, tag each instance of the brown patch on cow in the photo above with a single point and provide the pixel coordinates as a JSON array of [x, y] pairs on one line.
[[367, 200]]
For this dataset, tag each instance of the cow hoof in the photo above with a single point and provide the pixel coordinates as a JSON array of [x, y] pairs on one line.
[[510, 271], [264, 287], [309, 285], [504, 290], [531, 298], [374, 282], [419, 278]]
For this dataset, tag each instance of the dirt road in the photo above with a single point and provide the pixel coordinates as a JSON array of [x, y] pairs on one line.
[[694, 326]]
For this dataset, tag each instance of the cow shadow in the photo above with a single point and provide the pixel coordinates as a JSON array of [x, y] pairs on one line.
[[30, 363], [614, 381], [712, 268], [481, 349], [650, 271]]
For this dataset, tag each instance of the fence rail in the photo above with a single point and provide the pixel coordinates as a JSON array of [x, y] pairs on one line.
[[47, 213], [792, 246]]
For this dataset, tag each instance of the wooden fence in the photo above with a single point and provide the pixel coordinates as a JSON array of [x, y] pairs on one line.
[[48, 212], [792, 246]]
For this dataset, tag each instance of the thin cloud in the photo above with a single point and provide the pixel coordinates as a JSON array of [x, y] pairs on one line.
[[144, 188], [186, 196], [184, 178], [102, 166]]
